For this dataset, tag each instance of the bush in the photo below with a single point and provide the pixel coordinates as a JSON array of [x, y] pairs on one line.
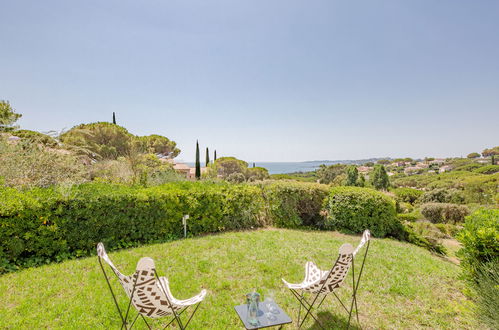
[[424, 234], [480, 261], [444, 212], [448, 229], [442, 195], [408, 195], [293, 204], [43, 225], [488, 169], [26, 164], [354, 209], [487, 292], [480, 239]]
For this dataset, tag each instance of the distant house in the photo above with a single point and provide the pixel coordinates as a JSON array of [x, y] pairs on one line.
[[364, 169], [444, 168], [187, 171], [438, 161], [412, 170]]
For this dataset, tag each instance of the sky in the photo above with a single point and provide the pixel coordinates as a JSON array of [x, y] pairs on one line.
[[261, 80]]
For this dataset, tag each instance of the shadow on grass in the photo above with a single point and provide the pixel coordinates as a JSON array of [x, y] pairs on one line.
[[332, 321]]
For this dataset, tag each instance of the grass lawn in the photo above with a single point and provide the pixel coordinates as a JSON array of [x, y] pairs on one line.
[[403, 286]]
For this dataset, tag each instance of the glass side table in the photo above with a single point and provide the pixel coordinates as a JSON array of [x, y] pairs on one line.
[[279, 316]]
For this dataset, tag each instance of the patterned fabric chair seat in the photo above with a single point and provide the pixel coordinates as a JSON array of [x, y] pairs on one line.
[[150, 297]]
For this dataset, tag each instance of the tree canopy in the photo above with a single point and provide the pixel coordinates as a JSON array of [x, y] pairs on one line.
[[7, 116], [379, 178], [473, 155], [105, 140]]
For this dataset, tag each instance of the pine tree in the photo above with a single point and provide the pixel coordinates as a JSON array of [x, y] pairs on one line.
[[215, 156], [207, 157], [114, 118], [198, 162]]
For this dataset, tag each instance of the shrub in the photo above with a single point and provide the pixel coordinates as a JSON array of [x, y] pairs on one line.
[[480, 239], [36, 137], [26, 164], [408, 195], [425, 234], [442, 195], [411, 217], [42, 225], [487, 292], [448, 229], [354, 209], [488, 169], [444, 212], [292, 204]]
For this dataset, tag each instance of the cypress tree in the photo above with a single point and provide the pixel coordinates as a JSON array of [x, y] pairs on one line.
[[198, 162], [207, 157], [253, 165], [114, 118], [215, 157], [379, 178]]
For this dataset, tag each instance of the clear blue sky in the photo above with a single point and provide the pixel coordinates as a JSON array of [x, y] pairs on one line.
[[262, 80]]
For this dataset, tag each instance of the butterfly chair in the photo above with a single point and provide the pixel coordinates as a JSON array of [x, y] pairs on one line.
[[319, 282], [149, 294]]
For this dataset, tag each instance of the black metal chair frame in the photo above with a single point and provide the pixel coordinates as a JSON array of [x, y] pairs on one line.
[[124, 319], [310, 305]]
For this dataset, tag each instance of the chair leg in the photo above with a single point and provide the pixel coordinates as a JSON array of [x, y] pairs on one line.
[[112, 293]]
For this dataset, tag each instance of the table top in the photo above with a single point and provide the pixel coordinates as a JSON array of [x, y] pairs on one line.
[[263, 321]]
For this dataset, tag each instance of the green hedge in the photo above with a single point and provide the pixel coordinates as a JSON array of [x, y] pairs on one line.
[[293, 204], [354, 209], [42, 225]]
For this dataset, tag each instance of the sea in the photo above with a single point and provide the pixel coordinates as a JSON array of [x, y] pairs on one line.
[[293, 167]]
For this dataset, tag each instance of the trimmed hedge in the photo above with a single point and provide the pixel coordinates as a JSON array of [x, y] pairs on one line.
[[444, 212], [293, 204], [43, 225], [353, 209]]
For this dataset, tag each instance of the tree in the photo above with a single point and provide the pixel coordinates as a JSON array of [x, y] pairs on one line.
[[156, 144], [328, 174], [215, 156], [7, 117], [352, 176], [225, 166], [379, 178], [257, 173], [384, 161], [198, 162], [101, 140], [492, 152], [114, 118], [473, 155], [207, 157]]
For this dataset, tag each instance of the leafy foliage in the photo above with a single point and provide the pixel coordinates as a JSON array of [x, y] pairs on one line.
[[355, 209], [333, 174], [408, 195], [104, 140], [379, 178], [36, 137], [25, 164], [42, 225], [8, 116], [293, 204], [480, 239], [156, 144], [444, 212]]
